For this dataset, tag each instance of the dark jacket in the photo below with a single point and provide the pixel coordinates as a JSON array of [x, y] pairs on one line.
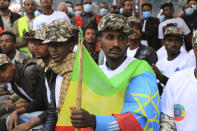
[[13, 17], [191, 21], [151, 32], [30, 78], [83, 19], [146, 53]]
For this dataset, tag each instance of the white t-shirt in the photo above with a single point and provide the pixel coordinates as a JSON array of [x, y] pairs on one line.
[[131, 53], [179, 22], [42, 20], [111, 73], [179, 100], [192, 58], [58, 88], [168, 68], [162, 53]]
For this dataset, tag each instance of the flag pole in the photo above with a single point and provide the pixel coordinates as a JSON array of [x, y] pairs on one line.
[[80, 68]]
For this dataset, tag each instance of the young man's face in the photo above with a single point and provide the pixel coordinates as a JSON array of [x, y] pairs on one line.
[[102, 5], [173, 44], [90, 36], [136, 35], [146, 8], [7, 73], [192, 2], [4, 4], [7, 45], [168, 11], [87, 2], [46, 3], [59, 50], [114, 44], [30, 6], [128, 7], [31, 47], [41, 50]]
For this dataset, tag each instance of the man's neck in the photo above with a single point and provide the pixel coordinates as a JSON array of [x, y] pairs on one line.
[[46, 61], [11, 55], [47, 11], [134, 44], [172, 56], [31, 16], [115, 63], [5, 12]]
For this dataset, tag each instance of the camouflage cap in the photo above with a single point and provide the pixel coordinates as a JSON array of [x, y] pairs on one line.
[[133, 19], [4, 59], [38, 35], [194, 39], [115, 22], [173, 30], [59, 31]]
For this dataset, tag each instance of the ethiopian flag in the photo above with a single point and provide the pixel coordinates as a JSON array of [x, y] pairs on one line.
[[101, 95]]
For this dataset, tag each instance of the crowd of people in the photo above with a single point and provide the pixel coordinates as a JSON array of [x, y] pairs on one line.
[[38, 55]]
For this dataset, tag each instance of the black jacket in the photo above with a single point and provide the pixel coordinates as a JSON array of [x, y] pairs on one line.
[[30, 82], [151, 32], [191, 21], [13, 18], [146, 53]]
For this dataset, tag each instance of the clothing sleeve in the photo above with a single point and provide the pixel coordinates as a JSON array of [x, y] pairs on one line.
[[67, 18], [14, 97], [184, 26], [160, 31], [141, 110]]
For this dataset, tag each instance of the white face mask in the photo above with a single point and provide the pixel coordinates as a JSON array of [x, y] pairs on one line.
[[103, 11], [87, 8]]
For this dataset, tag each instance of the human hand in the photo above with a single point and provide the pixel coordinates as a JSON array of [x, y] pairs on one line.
[[80, 118], [7, 104], [23, 127], [13, 121], [20, 104]]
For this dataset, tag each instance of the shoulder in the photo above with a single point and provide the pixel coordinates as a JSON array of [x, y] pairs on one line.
[[15, 14], [32, 70]]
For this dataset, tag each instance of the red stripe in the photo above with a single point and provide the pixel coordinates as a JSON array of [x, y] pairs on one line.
[[127, 122], [70, 128]]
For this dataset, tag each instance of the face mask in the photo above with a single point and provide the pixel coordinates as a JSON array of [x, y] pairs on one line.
[[77, 12], [189, 11], [194, 7], [70, 10], [146, 14], [103, 11], [87, 8], [121, 11], [162, 17]]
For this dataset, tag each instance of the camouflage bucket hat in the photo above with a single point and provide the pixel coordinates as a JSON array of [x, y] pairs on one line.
[[58, 31], [174, 31], [38, 35], [194, 39], [133, 19], [115, 22], [4, 59]]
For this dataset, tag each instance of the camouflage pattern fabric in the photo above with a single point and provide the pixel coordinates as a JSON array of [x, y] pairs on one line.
[[40, 34], [59, 31], [133, 19], [194, 39], [4, 59], [173, 30], [114, 22]]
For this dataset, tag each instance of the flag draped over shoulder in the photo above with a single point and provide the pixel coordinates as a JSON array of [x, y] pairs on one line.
[[100, 95]]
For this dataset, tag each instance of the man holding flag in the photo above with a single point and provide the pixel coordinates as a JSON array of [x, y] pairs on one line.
[[125, 97]]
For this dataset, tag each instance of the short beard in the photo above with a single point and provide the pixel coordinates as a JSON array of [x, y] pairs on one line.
[[3, 8]]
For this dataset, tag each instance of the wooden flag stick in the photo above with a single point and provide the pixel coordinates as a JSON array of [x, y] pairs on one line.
[[79, 90]]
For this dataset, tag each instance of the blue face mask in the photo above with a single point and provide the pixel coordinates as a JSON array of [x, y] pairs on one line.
[[121, 11], [194, 7], [162, 17], [77, 12], [103, 11], [70, 10], [87, 8], [189, 11], [146, 14]]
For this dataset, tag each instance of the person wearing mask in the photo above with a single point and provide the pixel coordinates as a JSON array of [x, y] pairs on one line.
[[189, 17], [78, 9], [179, 99], [114, 9], [136, 49], [70, 11], [48, 15], [86, 15], [103, 9], [25, 24], [7, 17], [168, 11], [149, 27]]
